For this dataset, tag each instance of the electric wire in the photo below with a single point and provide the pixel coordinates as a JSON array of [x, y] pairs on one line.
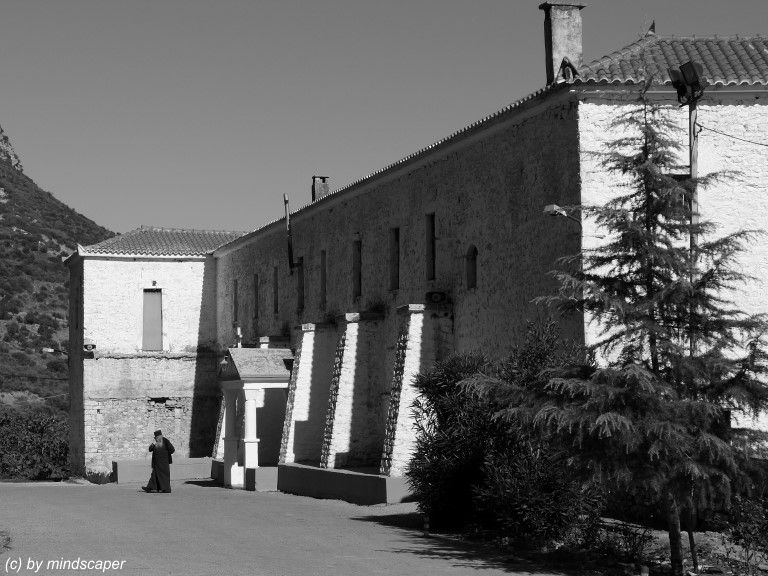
[[701, 126]]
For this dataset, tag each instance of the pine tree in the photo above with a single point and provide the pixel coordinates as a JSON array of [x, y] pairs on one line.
[[652, 417]]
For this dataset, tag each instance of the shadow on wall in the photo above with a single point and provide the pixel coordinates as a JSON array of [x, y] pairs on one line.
[[269, 420], [206, 398]]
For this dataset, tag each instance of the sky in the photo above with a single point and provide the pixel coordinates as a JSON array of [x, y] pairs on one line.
[[202, 114]]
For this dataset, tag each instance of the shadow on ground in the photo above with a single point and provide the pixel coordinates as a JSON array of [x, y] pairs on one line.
[[469, 554], [204, 483]]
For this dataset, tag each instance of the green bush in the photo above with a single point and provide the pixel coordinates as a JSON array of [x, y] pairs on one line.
[[56, 366], [746, 539], [22, 359], [529, 496], [476, 472], [34, 444], [455, 433]]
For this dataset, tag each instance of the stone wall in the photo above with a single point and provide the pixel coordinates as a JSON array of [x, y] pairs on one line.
[[113, 290], [486, 191], [120, 393]]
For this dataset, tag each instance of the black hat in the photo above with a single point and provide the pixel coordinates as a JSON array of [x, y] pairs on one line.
[[158, 433]]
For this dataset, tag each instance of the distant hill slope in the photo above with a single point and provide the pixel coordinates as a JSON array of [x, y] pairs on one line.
[[36, 230]]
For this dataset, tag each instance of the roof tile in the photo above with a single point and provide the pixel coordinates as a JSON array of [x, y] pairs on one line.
[[153, 241], [726, 61]]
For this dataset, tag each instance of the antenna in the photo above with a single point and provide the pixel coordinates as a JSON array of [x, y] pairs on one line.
[[288, 233]]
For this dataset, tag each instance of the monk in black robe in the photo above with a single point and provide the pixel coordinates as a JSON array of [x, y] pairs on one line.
[[160, 480]]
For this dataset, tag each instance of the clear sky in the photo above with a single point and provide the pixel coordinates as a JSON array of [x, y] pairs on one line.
[[201, 114]]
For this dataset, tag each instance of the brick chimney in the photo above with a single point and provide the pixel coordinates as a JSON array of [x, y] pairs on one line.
[[319, 187], [562, 36]]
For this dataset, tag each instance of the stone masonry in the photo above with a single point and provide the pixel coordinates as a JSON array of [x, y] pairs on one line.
[[120, 393], [442, 252]]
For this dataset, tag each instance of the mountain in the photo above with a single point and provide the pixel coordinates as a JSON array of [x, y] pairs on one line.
[[36, 231]]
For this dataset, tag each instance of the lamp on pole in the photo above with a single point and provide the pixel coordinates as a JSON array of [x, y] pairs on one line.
[[689, 84]]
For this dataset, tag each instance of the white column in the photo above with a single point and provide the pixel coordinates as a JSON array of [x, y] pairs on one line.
[[233, 473], [297, 406], [337, 438], [415, 352], [254, 399]]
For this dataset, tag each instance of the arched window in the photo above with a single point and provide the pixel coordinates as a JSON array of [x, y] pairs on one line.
[[471, 267]]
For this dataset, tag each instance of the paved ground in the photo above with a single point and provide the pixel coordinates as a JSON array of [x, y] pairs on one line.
[[204, 530]]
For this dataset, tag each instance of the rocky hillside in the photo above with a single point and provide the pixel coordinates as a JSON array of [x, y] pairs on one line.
[[36, 230]]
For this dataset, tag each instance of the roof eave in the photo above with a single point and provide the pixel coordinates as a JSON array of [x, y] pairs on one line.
[[511, 110], [83, 253]]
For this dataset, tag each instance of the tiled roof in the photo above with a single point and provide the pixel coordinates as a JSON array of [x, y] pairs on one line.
[[726, 61], [466, 130], [152, 241], [256, 363]]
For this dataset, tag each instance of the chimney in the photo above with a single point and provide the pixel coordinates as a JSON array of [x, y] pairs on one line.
[[562, 37], [319, 187]]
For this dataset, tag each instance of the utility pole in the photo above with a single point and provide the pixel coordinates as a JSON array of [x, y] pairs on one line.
[[693, 156], [689, 84], [690, 88]]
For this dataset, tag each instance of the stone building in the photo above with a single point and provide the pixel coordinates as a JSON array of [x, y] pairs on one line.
[[144, 351], [439, 252]]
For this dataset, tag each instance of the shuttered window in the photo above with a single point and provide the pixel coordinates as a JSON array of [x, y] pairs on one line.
[[153, 320]]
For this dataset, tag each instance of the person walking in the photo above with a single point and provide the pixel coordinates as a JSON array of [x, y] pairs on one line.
[[160, 479]]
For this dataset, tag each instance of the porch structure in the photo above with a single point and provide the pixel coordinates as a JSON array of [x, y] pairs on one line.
[[254, 382]]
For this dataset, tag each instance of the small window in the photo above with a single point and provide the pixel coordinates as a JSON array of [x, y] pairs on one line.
[[323, 280], [235, 303], [471, 267], [394, 258], [275, 292], [357, 269], [255, 295], [300, 285], [152, 337], [429, 244]]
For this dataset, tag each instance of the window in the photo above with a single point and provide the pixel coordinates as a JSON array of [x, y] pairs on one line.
[[471, 267], [300, 285], [429, 243], [323, 280], [275, 293], [235, 303], [255, 296], [152, 336], [394, 258], [357, 269]]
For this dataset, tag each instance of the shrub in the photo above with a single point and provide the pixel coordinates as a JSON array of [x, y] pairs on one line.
[[12, 329], [32, 317], [56, 366], [474, 471], [454, 432], [33, 444], [528, 490], [22, 359], [746, 540]]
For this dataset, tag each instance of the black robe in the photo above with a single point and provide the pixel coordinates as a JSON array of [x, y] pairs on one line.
[[161, 470]]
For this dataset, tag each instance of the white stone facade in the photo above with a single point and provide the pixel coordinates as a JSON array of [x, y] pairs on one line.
[[120, 393], [486, 188], [738, 202]]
